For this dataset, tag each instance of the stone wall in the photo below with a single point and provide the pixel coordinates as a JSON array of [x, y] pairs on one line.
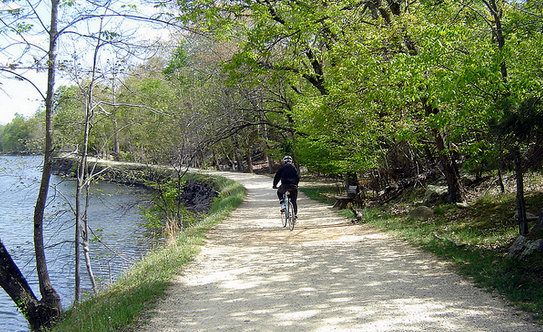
[[197, 195]]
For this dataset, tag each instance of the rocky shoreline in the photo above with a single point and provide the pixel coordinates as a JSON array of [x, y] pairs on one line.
[[197, 195]]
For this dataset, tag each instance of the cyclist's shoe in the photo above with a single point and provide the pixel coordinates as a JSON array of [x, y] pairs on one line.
[[282, 203]]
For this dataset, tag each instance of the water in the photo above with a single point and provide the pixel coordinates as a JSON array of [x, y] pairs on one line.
[[113, 214]]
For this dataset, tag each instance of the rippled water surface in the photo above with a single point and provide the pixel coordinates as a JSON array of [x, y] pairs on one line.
[[113, 214]]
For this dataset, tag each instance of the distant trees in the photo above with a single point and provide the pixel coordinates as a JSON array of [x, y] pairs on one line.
[[23, 136]]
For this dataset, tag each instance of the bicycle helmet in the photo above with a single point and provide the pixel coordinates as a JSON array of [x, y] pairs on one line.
[[287, 159]]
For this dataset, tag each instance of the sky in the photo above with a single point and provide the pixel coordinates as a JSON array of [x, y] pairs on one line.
[[20, 97], [17, 96]]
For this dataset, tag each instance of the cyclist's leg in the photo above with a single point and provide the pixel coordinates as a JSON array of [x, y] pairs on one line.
[[293, 199], [280, 192]]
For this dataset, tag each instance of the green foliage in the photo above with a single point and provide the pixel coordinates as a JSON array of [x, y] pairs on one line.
[[178, 60], [69, 116], [342, 89], [23, 27], [521, 122], [67, 3], [23, 136], [167, 205]]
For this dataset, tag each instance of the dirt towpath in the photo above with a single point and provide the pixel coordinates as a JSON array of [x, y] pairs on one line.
[[327, 274]]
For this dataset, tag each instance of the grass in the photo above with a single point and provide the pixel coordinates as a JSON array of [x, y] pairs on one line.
[[475, 240], [119, 306]]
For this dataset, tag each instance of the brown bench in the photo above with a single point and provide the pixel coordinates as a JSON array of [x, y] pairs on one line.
[[342, 201]]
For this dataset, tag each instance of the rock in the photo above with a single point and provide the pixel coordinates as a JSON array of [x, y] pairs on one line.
[[524, 247], [538, 228], [463, 204], [435, 194], [529, 216], [421, 212], [198, 196]]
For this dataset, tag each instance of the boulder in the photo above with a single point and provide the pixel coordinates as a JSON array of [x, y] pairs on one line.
[[421, 212], [524, 247], [529, 216], [538, 228], [198, 196], [436, 194]]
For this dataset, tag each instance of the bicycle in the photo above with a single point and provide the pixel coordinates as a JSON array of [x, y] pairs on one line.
[[287, 213]]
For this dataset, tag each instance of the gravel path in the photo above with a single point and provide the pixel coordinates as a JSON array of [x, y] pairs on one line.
[[327, 274]]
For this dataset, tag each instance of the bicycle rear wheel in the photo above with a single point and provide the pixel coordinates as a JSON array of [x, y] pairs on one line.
[[284, 218], [291, 218]]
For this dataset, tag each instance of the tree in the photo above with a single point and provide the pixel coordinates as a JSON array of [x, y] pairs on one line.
[[25, 20], [15, 135], [518, 119], [41, 312]]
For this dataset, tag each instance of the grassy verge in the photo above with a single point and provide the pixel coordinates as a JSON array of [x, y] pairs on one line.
[[475, 240], [117, 307]]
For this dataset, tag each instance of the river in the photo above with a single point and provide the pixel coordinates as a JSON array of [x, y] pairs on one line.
[[113, 214]]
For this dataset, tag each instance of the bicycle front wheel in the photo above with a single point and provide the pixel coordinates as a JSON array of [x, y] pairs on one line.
[[291, 218]]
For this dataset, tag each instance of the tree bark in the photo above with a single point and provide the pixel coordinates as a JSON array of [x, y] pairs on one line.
[[40, 313], [450, 168], [250, 167], [116, 146], [86, 240], [50, 297], [497, 31], [500, 181], [521, 204], [14, 283]]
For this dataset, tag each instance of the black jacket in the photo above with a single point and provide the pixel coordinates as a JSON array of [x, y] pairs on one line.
[[287, 174]]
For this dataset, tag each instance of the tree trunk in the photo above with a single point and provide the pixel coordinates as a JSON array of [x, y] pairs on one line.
[[497, 31], [16, 286], [239, 162], [50, 297], [83, 183], [250, 167], [521, 204], [450, 168], [86, 240], [267, 156], [116, 147], [77, 237], [179, 198], [500, 181], [38, 313]]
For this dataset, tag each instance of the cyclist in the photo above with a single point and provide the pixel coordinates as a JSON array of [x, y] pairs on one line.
[[289, 177]]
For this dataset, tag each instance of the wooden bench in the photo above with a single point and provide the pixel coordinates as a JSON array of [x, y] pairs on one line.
[[343, 201]]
